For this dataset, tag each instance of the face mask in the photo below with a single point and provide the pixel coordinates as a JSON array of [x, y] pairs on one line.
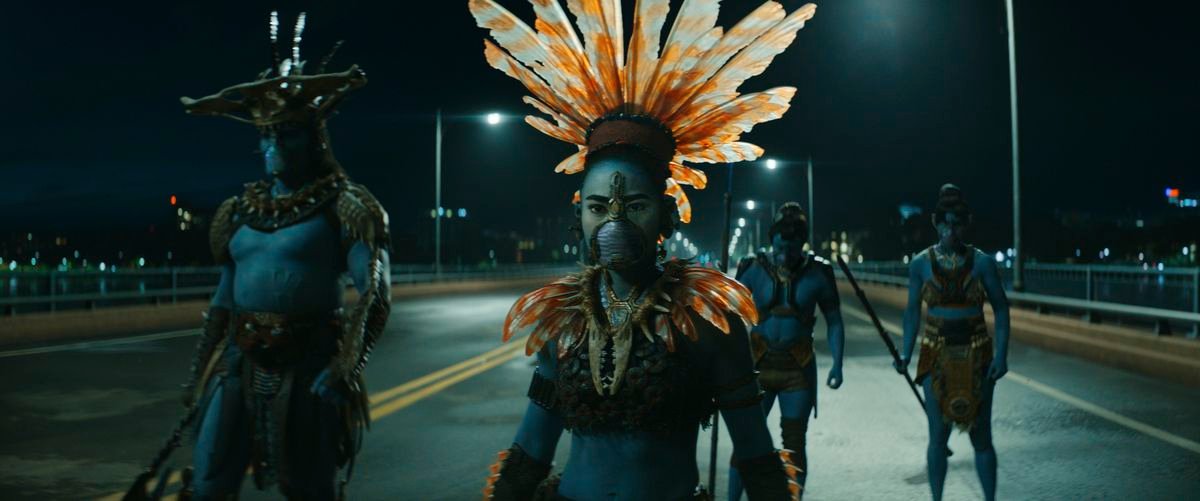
[[618, 243], [950, 230]]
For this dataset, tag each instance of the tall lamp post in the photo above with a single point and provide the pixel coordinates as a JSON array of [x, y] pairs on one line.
[[492, 119], [1018, 253]]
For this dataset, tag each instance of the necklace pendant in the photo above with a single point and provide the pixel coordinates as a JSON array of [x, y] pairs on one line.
[[619, 314]]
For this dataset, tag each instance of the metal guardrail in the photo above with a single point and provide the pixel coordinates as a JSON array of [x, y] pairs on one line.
[[169, 285], [1093, 310]]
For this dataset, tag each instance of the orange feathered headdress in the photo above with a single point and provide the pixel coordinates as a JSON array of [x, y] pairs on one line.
[[681, 103]]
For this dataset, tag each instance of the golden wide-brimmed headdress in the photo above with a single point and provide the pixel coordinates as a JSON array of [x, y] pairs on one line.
[[282, 93], [680, 104]]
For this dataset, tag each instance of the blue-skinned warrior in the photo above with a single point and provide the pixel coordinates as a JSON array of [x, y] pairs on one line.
[[789, 284], [960, 361], [278, 371], [634, 352]]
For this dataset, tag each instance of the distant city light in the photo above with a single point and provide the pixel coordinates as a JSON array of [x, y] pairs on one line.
[[64, 261], [772, 164], [741, 222], [737, 232], [1078, 252], [845, 247], [76, 254], [999, 257], [750, 205], [174, 200], [1141, 256], [462, 212], [678, 236], [1160, 267], [1106, 252], [860, 259], [29, 236], [441, 211], [493, 118], [141, 262], [1011, 252], [574, 250], [906, 259], [1185, 250], [102, 266], [1172, 192], [33, 261], [566, 248], [12, 266]]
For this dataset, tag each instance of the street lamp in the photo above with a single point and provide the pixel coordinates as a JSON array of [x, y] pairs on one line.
[[491, 119], [772, 164], [750, 205]]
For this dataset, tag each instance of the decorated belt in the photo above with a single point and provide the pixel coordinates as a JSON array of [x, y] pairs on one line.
[[273, 339], [955, 331]]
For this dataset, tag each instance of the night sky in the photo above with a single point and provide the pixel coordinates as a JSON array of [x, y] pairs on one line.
[[894, 99]]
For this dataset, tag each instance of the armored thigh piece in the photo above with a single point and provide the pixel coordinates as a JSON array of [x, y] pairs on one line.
[[956, 353], [783, 370]]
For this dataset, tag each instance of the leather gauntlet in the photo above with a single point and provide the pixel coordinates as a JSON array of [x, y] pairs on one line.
[[216, 323], [514, 476], [770, 477]]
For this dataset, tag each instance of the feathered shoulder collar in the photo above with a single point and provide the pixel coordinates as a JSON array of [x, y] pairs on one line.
[[568, 310]]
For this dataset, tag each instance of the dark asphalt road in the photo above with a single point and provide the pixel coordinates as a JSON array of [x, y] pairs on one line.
[[79, 423]]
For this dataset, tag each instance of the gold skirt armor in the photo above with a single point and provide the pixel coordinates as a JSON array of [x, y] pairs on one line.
[[782, 370], [956, 354]]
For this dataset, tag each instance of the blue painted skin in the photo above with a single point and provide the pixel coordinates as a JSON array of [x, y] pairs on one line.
[[950, 231], [638, 465], [812, 290], [296, 269]]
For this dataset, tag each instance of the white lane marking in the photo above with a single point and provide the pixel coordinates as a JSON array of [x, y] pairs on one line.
[[98, 344], [1061, 396]]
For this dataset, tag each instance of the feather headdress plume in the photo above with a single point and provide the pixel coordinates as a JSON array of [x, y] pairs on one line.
[[680, 103]]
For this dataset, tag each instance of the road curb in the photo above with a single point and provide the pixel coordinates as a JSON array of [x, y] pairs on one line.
[[39, 329]]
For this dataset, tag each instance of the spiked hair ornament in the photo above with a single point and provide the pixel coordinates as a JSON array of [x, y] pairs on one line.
[[680, 104], [282, 93]]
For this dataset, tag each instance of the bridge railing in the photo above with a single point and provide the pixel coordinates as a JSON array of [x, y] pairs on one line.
[[1163, 297], [49, 291]]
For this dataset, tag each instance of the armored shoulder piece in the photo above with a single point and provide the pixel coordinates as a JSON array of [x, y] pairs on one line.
[[362, 217], [222, 230]]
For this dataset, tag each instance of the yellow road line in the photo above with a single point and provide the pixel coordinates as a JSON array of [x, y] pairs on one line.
[[380, 411], [473, 366], [1049, 391], [426, 379]]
